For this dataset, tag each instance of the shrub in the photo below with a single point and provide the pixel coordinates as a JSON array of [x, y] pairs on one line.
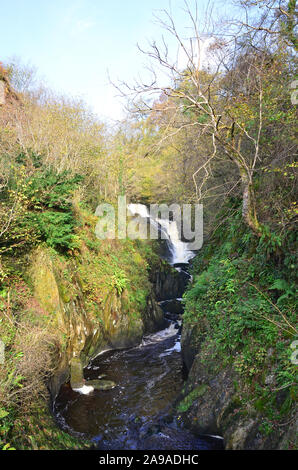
[[244, 308], [39, 202]]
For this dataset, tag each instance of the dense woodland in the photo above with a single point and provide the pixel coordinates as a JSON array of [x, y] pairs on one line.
[[221, 133]]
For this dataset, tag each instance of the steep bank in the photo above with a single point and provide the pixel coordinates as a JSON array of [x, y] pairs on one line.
[[59, 306], [140, 385], [239, 325]]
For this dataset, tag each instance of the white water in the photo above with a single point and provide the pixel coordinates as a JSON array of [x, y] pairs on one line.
[[175, 348], [84, 390], [159, 336], [138, 209], [178, 249]]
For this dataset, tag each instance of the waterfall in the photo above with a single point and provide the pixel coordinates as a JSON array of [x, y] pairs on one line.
[[180, 254]]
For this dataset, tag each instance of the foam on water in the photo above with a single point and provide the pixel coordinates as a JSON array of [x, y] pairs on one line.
[[84, 390], [175, 348]]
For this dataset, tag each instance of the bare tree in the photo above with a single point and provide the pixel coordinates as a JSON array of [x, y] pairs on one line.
[[278, 19], [200, 94]]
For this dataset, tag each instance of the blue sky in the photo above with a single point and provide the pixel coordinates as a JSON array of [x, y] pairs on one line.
[[74, 42]]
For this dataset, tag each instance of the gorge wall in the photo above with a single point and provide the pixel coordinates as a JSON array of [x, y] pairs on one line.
[[118, 319], [212, 401]]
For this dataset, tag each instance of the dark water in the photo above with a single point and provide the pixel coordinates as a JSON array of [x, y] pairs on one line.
[[136, 414]]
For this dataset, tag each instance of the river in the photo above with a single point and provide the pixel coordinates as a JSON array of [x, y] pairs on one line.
[[139, 412]]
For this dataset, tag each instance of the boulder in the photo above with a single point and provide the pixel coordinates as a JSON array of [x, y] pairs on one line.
[[76, 373], [101, 384]]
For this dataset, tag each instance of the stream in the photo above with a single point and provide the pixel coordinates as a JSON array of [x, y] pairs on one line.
[[138, 413]]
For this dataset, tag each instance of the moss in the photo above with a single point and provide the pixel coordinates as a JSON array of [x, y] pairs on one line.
[[46, 289], [260, 404], [240, 307], [76, 373], [233, 412], [64, 293], [89, 299], [187, 401]]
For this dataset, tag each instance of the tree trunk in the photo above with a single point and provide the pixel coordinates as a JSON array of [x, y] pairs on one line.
[[248, 202]]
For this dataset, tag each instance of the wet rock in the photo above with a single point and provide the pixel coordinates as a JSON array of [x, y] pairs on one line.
[[220, 409], [86, 337], [76, 373], [172, 306], [169, 283], [172, 317], [171, 438], [154, 316], [239, 436], [101, 384], [190, 343]]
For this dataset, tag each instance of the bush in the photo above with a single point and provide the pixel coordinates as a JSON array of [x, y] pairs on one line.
[[40, 204], [244, 309]]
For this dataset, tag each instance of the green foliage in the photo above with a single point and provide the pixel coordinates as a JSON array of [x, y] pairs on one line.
[[266, 428], [47, 189], [187, 401], [284, 287], [36, 431], [245, 310], [119, 280], [50, 207], [41, 208], [269, 241], [6, 424], [3, 413], [55, 228]]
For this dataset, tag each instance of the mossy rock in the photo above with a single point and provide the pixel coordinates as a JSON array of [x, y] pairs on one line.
[[45, 285], [101, 384], [76, 373], [186, 403]]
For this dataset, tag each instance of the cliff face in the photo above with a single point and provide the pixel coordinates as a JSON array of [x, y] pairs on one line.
[[238, 338], [64, 307], [212, 401], [84, 332]]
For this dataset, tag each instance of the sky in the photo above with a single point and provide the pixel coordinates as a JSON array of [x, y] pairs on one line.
[[77, 44]]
